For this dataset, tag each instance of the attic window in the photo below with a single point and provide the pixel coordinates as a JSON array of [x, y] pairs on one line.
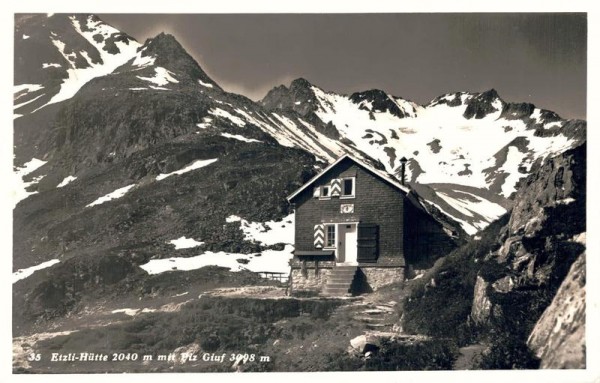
[[325, 191], [348, 189]]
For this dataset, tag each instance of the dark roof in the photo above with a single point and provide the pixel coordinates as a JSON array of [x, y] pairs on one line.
[[378, 173]]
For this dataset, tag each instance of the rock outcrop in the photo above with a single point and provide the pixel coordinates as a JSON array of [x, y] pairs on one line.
[[539, 269], [558, 338], [482, 307]]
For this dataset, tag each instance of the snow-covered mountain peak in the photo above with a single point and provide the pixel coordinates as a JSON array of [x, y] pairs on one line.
[[61, 54], [472, 140]]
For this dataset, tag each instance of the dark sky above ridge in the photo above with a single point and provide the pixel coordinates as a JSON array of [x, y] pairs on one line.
[[538, 58]]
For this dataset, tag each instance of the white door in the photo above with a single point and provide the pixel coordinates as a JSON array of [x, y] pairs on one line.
[[347, 247]]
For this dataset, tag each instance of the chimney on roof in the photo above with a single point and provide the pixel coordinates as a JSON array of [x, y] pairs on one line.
[[402, 169]]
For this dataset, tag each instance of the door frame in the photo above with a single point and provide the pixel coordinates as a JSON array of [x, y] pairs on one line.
[[339, 238]]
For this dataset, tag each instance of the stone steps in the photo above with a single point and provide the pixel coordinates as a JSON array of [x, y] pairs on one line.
[[379, 316], [339, 281]]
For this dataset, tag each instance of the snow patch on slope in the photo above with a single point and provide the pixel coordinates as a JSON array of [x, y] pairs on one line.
[[50, 65], [27, 102], [19, 185], [471, 204], [143, 61], [217, 112], [28, 88], [162, 77], [195, 165], [267, 233], [467, 227], [80, 76], [24, 273], [205, 124], [206, 84], [110, 196], [66, 180], [239, 137], [268, 260], [514, 158], [185, 243]]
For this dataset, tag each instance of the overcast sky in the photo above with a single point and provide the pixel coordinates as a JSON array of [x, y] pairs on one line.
[[537, 58]]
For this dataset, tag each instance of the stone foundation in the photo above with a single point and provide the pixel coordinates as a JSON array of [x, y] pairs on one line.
[[377, 277], [368, 279], [310, 279]]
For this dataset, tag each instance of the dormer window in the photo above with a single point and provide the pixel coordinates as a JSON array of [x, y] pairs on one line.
[[348, 187]]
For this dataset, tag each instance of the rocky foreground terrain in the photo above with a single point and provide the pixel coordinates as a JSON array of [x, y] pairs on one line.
[[128, 155]]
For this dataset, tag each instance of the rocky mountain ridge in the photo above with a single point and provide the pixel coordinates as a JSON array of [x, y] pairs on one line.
[[371, 125]]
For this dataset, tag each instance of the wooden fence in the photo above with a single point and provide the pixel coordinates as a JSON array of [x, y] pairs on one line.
[[276, 276]]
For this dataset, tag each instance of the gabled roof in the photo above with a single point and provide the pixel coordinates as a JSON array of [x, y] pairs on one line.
[[381, 174]]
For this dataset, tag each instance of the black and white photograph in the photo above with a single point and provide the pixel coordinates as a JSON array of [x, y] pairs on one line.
[[298, 192]]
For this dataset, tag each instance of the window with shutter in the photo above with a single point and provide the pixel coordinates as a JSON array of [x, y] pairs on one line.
[[368, 242]]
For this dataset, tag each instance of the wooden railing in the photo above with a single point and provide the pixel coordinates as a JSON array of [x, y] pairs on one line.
[[276, 276]]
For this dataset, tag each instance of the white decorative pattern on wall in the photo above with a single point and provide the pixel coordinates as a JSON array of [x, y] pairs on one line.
[[319, 236]]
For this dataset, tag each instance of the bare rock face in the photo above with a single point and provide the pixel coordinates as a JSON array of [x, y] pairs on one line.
[[549, 208], [532, 289], [482, 306], [299, 97], [559, 183], [558, 338], [483, 104]]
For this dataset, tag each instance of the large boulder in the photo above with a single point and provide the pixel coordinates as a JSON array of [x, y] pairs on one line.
[[558, 337]]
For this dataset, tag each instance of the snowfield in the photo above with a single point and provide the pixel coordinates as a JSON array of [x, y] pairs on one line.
[[268, 260], [265, 233]]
